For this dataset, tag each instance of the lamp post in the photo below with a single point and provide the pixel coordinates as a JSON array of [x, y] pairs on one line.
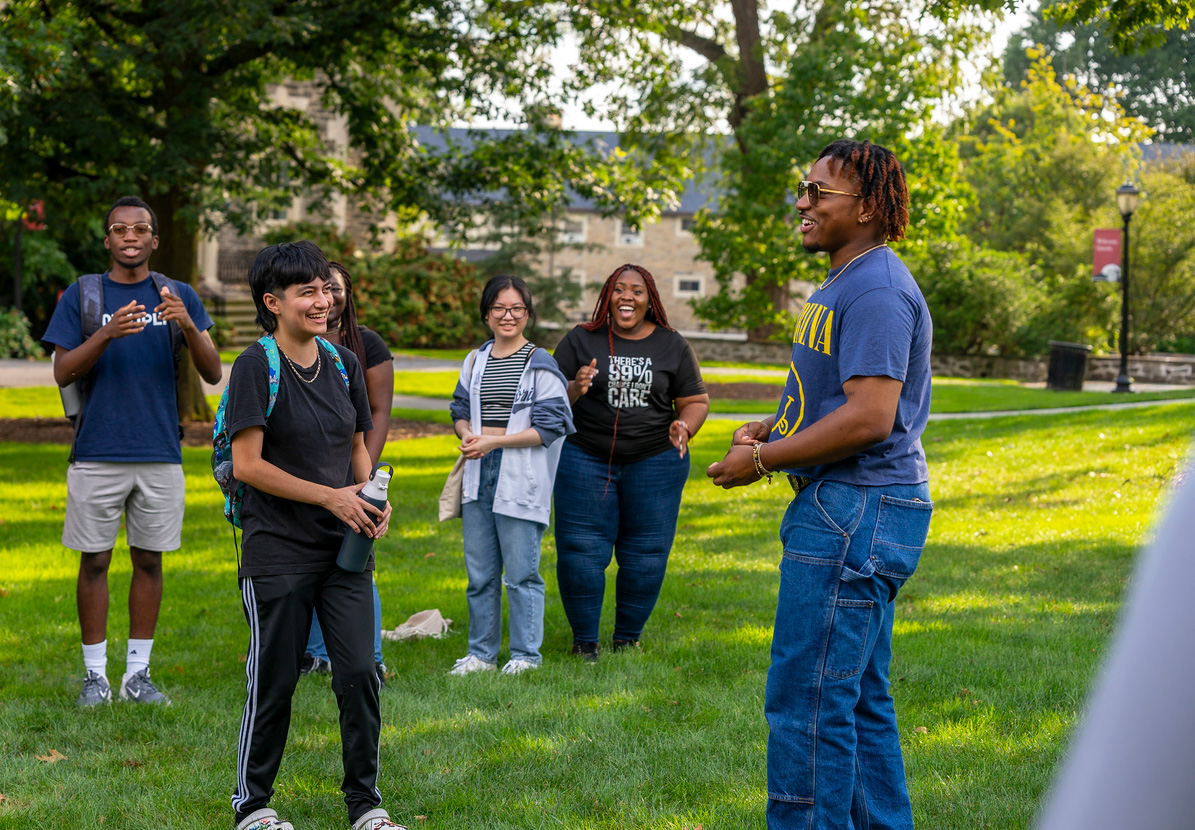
[[1126, 201]]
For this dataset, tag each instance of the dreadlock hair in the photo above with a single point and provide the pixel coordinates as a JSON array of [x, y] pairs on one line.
[[602, 317], [881, 179], [350, 335]]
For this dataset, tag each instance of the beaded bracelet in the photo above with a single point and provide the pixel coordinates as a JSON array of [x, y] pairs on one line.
[[759, 468]]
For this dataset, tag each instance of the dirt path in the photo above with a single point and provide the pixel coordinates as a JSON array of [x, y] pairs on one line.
[[197, 433]]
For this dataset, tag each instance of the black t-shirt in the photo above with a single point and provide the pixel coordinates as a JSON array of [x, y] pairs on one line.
[[376, 350], [310, 435], [648, 375]]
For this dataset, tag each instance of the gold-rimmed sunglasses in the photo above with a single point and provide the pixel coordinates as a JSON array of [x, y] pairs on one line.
[[139, 228], [814, 191]]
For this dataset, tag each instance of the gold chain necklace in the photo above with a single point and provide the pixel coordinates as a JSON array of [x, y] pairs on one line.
[[825, 284], [318, 365]]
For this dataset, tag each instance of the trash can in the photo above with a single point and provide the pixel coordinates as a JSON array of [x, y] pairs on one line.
[[1068, 365]]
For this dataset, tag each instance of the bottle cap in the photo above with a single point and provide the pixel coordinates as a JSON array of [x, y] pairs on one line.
[[381, 478]]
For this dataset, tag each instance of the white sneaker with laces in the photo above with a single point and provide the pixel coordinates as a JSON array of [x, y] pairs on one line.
[[264, 819], [376, 820], [471, 663], [518, 666]]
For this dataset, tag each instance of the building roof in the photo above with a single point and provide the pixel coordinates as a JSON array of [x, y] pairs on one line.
[[1165, 151], [696, 195]]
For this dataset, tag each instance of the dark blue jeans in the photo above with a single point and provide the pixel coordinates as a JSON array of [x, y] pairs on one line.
[[632, 518], [834, 756]]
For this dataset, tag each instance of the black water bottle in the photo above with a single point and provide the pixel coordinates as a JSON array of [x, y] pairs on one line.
[[356, 547]]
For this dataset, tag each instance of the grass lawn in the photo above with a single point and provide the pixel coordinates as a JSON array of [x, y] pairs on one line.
[[997, 637]]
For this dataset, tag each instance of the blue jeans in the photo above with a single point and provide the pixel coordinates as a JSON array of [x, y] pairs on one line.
[[633, 517], [315, 640], [833, 748], [494, 543]]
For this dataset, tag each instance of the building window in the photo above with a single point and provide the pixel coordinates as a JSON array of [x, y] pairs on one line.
[[628, 237], [684, 225], [572, 231], [688, 285]]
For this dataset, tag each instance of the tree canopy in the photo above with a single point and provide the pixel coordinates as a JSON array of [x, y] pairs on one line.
[[1156, 83]]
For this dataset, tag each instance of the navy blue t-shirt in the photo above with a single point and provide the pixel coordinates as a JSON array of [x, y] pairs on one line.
[[871, 322], [130, 412]]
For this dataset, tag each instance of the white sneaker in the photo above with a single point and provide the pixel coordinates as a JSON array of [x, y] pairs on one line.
[[518, 666], [376, 820], [264, 819], [469, 664]]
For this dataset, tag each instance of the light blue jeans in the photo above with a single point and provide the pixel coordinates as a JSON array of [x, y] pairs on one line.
[[315, 639], [493, 544], [834, 756]]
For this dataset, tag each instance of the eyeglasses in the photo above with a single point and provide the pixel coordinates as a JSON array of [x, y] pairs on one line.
[[140, 228], [517, 312], [814, 191]]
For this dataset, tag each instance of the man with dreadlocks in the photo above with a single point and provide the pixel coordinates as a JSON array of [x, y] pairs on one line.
[[847, 432]]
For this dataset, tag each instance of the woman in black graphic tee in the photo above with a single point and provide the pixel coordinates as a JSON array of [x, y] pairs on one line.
[[638, 399]]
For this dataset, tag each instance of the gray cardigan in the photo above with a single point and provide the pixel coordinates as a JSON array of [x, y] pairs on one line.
[[527, 474]]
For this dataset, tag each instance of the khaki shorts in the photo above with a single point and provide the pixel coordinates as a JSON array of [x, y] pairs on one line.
[[150, 494]]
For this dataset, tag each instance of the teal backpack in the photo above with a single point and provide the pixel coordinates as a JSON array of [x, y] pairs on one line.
[[233, 490]]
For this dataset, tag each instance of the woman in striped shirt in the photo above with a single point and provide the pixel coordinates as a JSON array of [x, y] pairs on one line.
[[510, 408]]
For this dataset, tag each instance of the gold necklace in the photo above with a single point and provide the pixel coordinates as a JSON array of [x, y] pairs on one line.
[[318, 365], [849, 264]]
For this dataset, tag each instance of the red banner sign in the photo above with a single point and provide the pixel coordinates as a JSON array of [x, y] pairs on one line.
[[1106, 255]]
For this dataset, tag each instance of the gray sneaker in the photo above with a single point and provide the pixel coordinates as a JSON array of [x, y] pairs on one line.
[[140, 689], [95, 690]]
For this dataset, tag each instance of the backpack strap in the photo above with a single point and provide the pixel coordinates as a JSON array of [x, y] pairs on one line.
[[344, 375], [176, 333], [270, 346], [91, 303], [91, 320]]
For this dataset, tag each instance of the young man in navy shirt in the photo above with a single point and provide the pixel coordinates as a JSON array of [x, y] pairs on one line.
[[847, 432], [126, 457]]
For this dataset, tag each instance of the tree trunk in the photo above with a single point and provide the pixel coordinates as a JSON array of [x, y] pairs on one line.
[[178, 258], [752, 83], [778, 297]]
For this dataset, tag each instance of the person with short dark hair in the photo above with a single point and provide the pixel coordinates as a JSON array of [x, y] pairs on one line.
[[126, 457], [847, 432], [509, 409], [297, 466], [638, 399], [378, 365]]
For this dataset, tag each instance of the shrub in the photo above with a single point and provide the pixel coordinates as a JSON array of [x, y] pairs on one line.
[[223, 332], [413, 297], [980, 300], [15, 339]]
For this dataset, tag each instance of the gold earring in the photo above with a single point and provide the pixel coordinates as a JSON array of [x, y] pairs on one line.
[[863, 220]]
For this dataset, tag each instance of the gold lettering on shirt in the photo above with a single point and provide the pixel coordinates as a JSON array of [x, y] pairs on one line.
[[814, 329], [822, 344]]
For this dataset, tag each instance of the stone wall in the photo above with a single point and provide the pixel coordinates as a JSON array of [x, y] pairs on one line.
[[1179, 369]]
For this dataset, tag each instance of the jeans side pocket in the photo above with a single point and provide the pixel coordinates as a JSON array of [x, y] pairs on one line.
[[848, 637], [902, 526]]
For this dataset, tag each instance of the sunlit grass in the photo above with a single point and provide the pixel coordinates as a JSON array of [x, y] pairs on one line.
[[1036, 525]]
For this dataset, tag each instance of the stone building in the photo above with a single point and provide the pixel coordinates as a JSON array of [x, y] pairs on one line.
[[595, 245]]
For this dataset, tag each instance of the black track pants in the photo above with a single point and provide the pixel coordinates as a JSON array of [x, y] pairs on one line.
[[278, 610]]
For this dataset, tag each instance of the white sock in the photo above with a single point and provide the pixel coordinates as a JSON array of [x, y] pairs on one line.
[[137, 657], [95, 658]]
